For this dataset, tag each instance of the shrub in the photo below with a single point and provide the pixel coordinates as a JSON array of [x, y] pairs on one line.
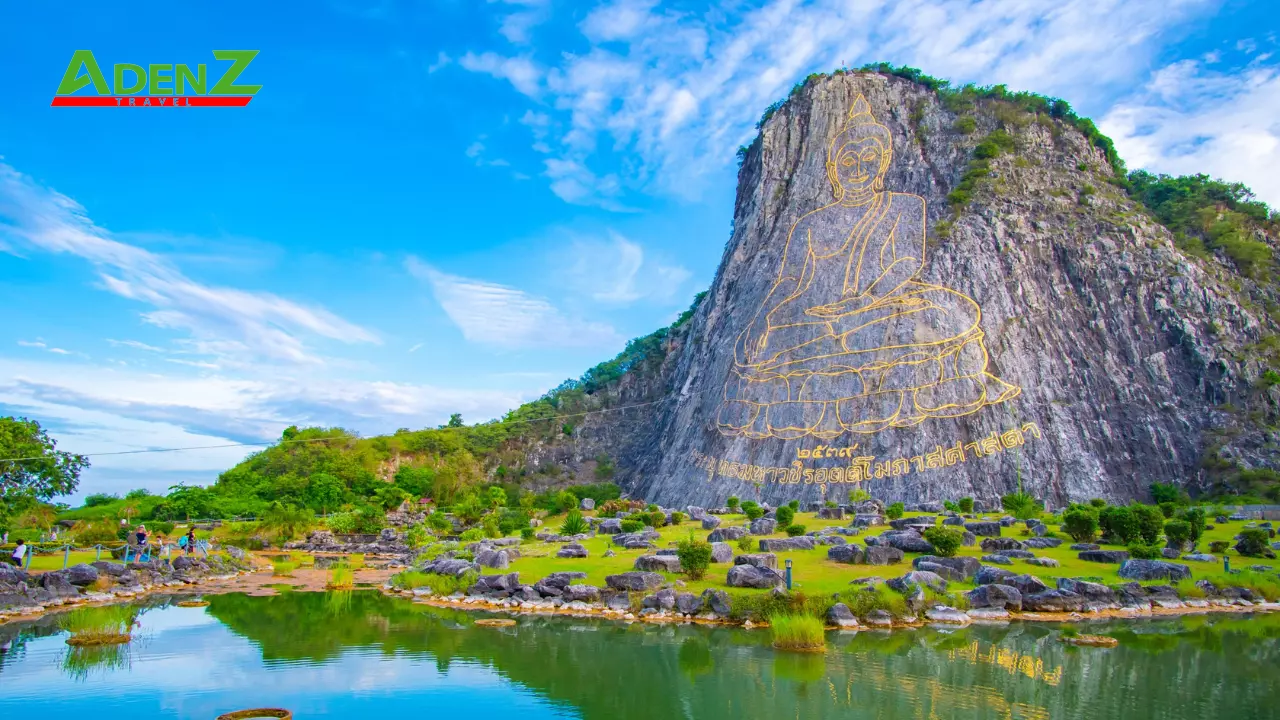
[[1186, 588], [1196, 519], [1080, 522], [1253, 542], [894, 511], [1167, 509], [797, 632], [695, 556], [1162, 493], [369, 519], [100, 533], [161, 527], [746, 543], [945, 540], [1140, 551], [652, 507], [491, 525], [526, 534], [1150, 522], [795, 504], [965, 125], [612, 507], [439, 522], [731, 502], [565, 501], [677, 518], [416, 536], [631, 525], [283, 568], [864, 601], [1021, 505], [574, 524], [785, 515], [754, 512], [1178, 532], [655, 519], [950, 506], [1219, 546], [1118, 524], [1098, 503], [796, 530], [966, 504], [472, 535], [855, 496]]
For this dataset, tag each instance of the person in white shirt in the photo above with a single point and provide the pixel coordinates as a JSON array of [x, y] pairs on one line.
[[19, 553]]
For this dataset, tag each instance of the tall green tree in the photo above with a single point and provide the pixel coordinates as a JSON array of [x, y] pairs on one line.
[[31, 467], [325, 492]]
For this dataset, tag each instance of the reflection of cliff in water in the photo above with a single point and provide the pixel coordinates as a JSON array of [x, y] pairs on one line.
[[1195, 667]]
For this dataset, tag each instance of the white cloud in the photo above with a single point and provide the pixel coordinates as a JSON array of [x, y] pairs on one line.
[[135, 345], [675, 93], [40, 344], [442, 60], [616, 271], [521, 72], [417, 347], [518, 26], [254, 324], [1190, 119], [491, 314]]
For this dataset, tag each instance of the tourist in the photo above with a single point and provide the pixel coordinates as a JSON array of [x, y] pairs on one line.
[[142, 541], [191, 541], [5, 541], [19, 553]]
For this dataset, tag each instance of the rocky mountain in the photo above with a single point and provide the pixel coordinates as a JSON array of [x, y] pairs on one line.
[[931, 294]]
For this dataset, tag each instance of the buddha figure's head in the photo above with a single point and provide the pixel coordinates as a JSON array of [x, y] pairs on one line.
[[859, 155]]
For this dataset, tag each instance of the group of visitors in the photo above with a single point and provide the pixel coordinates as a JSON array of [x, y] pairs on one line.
[[187, 542]]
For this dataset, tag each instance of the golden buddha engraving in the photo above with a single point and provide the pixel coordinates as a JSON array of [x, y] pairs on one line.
[[848, 339]]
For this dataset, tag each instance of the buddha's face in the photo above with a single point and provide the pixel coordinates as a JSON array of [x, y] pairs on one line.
[[856, 165]]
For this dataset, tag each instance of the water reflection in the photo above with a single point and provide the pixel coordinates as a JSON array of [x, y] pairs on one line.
[[358, 653]]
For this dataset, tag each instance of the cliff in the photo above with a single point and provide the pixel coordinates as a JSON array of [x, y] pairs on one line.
[[1040, 326]]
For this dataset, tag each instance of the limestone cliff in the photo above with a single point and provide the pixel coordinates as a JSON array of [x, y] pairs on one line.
[[869, 326]]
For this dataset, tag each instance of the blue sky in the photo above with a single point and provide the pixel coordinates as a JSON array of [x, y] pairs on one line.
[[453, 206]]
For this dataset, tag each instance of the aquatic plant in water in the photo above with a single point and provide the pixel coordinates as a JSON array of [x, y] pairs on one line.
[[109, 625], [797, 632], [82, 660], [341, 577], [283, 568]]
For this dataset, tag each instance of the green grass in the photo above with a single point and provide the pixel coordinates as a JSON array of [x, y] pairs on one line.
[[797, 632], [410, 579], [1265, 585], [865, 600], [283, 568], [356, 560]]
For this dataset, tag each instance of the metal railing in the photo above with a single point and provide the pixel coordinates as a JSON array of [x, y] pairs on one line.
[[140, 554]]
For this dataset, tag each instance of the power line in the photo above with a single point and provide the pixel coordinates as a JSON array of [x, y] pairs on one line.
[[327, 439]]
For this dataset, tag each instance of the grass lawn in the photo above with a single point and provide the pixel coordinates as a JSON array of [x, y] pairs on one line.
[[813, 574]]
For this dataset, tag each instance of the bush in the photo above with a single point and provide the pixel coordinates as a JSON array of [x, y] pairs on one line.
[[864, 601], [1119, 524], [855, 496], [1021, 505], [677, 518], [491, 525], [731, 502], [894, 511], [1178, 532], [797, 632], [369, 520], [1196, 519], [796, 530], [409, 579], [950, 506], [1098, 503], [416, 536], [100, 499], [283, 568], [99, 533], [526, 534], [1162, 493], [945, 540], [966, 504], [1140, 551], [754, 512], [746, 543], [1150, 522], [1254, 542], [631, 525], [655, 519], [785, 515], [574, 524], [965, 125], [695, 556], [652, 507], [471, 535], [1080, 522], [1219, 546], [795, 504], [1167, 509]]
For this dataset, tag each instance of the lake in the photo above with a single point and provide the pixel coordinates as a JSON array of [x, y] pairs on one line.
[[361, 654]]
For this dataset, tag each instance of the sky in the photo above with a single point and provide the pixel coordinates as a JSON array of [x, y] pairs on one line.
[[453, 206]]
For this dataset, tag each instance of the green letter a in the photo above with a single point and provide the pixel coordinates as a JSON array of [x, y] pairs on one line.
[[70, 83]]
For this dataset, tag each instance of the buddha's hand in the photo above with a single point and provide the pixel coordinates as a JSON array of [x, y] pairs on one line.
[[847, 306], [756, 341]]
